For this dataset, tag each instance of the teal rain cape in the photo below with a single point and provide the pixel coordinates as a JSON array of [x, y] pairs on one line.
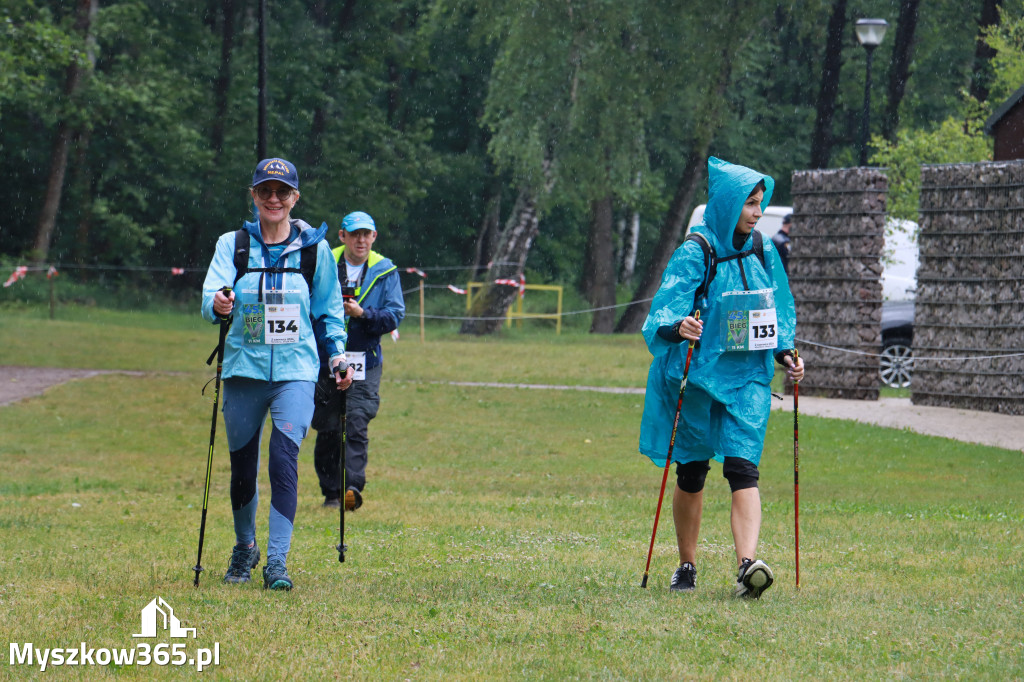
[[736, 382]]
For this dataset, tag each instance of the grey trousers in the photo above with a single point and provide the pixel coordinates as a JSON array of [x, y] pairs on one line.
[[362, 402]]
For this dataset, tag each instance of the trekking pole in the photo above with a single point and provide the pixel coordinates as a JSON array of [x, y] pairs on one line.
[[341, 368], [218, 352], [668, 457], [796, 469]]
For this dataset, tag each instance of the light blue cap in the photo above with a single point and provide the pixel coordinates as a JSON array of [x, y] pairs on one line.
[[358, 221]]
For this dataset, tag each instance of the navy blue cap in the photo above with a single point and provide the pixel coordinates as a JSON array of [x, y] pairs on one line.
[[276, 169]]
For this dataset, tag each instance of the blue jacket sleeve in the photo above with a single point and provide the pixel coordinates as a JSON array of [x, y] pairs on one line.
[[327, 305], [385, 319], [220, 274], [674, 299]]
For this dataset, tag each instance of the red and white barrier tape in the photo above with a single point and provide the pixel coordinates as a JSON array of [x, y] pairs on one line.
[[18, 273]]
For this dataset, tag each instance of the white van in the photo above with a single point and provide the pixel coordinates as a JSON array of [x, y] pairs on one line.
[[899, 261]]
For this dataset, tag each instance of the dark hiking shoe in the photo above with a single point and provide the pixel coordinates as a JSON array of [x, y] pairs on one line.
[[353, 499], [243, 560], [684, 579], [332, 503], [754, 577], [275, 576]]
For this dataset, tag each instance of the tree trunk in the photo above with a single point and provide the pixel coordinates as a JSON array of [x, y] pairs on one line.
[[82, 182], [708, 121], [668, 239], [899, 67], [981, 77], [821, 140], [85, 13], [599, 267], [487, 237], [493, 301], [223, 80], [630, 239], [198, 245]]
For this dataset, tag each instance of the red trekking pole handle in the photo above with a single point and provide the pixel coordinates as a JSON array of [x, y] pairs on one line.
[[668, 457]]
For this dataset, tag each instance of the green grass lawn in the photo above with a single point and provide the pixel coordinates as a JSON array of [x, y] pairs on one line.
[[504, 532]]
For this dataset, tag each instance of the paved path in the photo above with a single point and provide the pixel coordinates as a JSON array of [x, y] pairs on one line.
[[17, 383], [968, 426]]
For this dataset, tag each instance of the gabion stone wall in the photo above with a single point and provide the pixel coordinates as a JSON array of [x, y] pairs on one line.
[[970, 293], [838, 234]]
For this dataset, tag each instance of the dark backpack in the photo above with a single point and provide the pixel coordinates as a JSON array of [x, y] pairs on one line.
[[307, 260], [711, 260]]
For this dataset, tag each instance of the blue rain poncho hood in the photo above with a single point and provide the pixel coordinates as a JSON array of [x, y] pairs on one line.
[[729, 186], [722, 376]]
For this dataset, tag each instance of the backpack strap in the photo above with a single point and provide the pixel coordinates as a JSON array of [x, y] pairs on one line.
[[241, 253], [710, 264], [307, 265], [711, 260], [307, 260], [759, 248]]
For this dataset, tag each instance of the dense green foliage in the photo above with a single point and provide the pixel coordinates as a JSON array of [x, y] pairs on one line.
[[950, 142], [423, 111], [1007, 39]]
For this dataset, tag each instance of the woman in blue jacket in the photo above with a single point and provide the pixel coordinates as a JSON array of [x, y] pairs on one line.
[[727, 401], [270, 357]]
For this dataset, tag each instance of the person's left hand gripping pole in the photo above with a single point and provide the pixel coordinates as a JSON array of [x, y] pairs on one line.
[[796, 468]]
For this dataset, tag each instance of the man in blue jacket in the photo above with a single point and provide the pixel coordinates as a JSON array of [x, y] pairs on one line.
[[374, 306]]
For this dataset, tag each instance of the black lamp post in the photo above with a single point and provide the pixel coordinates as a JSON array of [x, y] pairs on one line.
[[869, 33]]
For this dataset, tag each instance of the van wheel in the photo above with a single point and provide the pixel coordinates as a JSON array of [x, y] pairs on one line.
[[896, 363]]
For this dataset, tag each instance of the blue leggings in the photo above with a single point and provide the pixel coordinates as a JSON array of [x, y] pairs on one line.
[[246, 404]]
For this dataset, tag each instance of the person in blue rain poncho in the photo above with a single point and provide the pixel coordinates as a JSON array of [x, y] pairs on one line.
[[746, 321], [270, 358]]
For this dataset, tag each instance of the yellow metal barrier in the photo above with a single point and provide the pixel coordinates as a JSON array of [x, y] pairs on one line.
[[516, 310]]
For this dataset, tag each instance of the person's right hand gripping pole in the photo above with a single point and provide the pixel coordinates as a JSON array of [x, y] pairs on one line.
[[343, 378], [690, 329]]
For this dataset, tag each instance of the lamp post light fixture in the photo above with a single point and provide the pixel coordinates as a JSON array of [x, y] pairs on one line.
[[870, 33]]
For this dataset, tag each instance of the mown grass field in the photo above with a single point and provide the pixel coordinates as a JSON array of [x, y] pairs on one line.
[[504, 532]]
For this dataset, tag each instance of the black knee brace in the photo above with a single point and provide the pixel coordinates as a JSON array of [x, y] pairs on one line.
[[690, 476], [740, 473]]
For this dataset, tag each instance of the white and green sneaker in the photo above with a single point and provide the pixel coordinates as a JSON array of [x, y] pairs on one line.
[[754, 577]]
